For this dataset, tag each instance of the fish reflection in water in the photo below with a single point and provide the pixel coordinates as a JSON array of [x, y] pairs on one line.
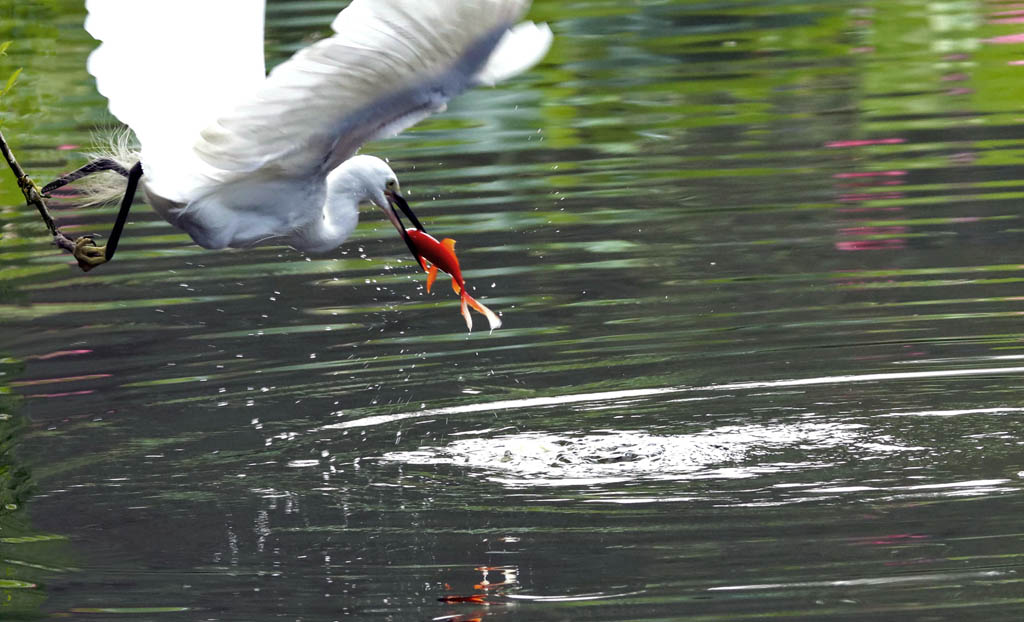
[[505, 591], [486, 591]]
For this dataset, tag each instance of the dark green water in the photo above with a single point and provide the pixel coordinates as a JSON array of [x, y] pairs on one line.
[[760, 269]]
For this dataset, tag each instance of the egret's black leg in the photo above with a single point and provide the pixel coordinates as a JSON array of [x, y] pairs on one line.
[[126, 204], [102, 164], [88, 254]]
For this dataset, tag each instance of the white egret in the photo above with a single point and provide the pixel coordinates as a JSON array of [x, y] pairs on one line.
[[235, 157]]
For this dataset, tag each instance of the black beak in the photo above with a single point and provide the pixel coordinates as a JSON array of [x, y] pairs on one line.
[[393, 198], [402, 205]]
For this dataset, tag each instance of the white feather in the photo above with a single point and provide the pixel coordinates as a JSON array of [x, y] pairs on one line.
[[106, 187], [169, 69], [520, 48], [389, 65]]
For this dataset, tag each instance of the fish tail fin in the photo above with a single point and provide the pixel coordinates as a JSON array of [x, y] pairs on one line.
[[465, 310], [492, 318], [456, 286], [431, 275]]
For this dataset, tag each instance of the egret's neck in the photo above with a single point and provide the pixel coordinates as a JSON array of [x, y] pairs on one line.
[[345, 192]]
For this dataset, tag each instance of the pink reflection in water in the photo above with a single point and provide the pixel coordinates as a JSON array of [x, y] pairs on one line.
[[873, 230], [859, 174], [896, 538], [870, 245], [891, 182], [880, 237], [861, 210], [56, 354], [1006, 39], [65, 394], [836, 144], [868, 196]]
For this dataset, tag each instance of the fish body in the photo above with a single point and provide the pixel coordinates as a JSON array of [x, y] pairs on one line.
[[435, 255]]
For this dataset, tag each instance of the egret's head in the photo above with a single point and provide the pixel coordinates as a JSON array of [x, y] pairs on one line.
[[384, 192], [368, 177]]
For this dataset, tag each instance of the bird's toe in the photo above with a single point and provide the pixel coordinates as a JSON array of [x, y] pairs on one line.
[[88, 254]]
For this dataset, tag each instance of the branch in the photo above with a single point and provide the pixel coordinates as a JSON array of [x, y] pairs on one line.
[[34, 197]]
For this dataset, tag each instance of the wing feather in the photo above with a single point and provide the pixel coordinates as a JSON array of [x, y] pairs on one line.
[[388, 66], [169, 69]]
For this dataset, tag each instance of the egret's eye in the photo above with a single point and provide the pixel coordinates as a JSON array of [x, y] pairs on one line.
[[392, 183]]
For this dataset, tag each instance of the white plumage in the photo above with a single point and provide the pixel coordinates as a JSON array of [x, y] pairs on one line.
[[235, 157], [168, 69]]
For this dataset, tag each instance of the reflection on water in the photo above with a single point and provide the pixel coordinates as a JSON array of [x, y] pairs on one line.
[[758, 266], [27, 556]]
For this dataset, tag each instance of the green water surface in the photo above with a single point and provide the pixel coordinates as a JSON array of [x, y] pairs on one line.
[[760, 269]]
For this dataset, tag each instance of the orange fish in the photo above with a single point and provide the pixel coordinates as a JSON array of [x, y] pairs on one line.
[[475, 598], [434, 255]]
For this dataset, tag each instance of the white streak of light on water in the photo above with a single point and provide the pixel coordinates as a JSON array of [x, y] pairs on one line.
[[635, 393]]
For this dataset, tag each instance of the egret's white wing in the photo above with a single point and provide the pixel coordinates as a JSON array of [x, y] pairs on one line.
[[169, 69], [388, 65]]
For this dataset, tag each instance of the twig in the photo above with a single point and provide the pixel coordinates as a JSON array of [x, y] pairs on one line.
[[33, 197]]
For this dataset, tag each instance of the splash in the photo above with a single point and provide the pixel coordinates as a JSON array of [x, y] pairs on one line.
[[732, 452]]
